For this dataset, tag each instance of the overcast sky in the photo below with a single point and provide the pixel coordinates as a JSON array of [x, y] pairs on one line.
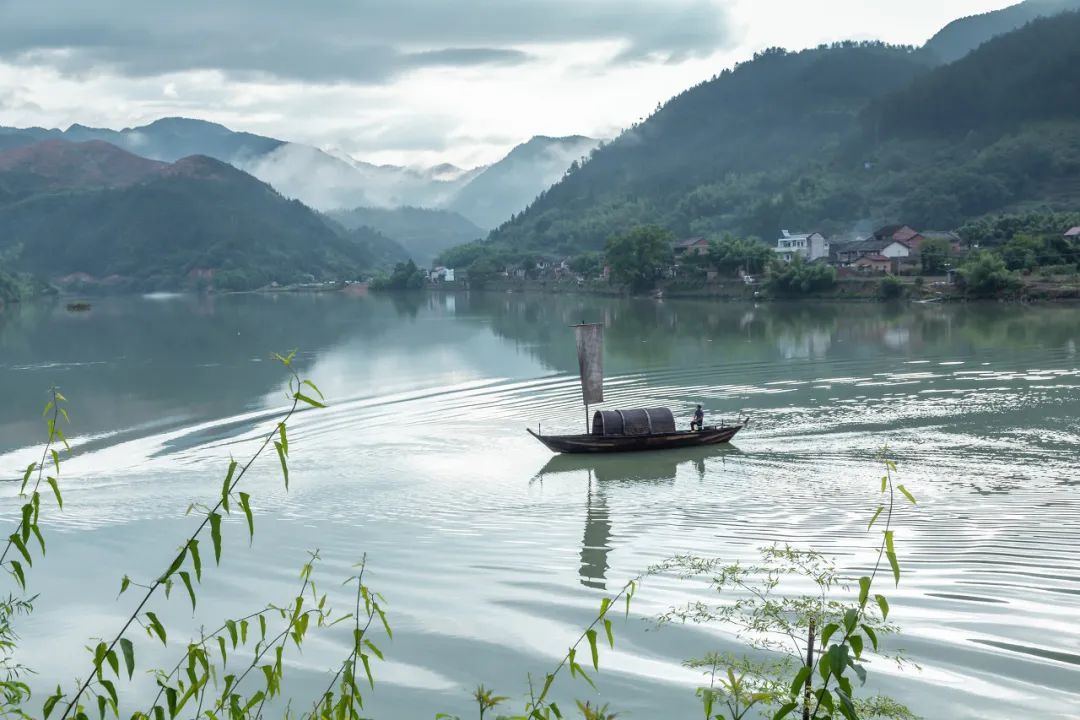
[[407, 81]]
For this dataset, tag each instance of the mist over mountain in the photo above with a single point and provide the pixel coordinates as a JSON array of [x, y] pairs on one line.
[[424, 233], [90, 212], [508, 186]]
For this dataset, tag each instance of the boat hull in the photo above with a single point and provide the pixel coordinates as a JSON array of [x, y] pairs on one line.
[[633, 443]]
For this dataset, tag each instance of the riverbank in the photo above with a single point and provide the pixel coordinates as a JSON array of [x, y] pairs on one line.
[[860, 289]]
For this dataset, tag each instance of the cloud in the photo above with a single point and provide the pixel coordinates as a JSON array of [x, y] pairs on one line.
[[353, 41]]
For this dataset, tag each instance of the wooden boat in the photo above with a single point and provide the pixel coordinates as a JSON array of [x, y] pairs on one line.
[[624, 430], [591, 443]]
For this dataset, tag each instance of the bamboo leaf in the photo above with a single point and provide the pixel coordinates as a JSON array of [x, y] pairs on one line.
[[186, 578], [304, 398], [156, 627], [784, 711], [26, 476], [800, 679], [56, 492], [374, 650], [128, 651], [245, 504], [51, 701], [313, 387], [284, 439], [890, 553], [607, 631], [591, 635], [907, 494], [367, 669], [215, 535], [196, 561], [226, 486], [284, 464], [21, 547], [20, 576], [175, 565], [877, 513]]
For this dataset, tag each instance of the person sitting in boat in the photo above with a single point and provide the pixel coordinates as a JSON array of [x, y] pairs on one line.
[[699, 419]]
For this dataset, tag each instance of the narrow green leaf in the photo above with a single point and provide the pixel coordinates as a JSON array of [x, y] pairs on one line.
[[591, 635], [186, 578], [262, 627], [908, 495], [367, 669], [284, 463], [284, 439], [851, 618], [156, 627], [243, 632], [607, 631], [224, 654], [226, 486], [374, 650], [382, 618], [56, 491], [890, 553], [884, 605], [21, 547], [20, 576], [26, 476], [877, 513], [312, 386], [231, 627], [215, 535], [196, 561], [101, 702], [27, 521], [871, 635], [304, 398], [884, 482], [176, 563], [114, 662], [128, 651], [245, 504], [55, 459]]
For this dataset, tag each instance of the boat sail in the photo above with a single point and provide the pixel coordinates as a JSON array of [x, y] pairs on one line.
[[590, 355]]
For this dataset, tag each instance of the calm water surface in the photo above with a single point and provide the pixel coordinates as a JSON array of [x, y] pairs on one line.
[[492, 554]]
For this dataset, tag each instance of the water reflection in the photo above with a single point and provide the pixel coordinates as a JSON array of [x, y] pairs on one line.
[[603, 471]]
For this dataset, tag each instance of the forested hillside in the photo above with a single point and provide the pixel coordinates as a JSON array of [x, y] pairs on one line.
[[835, 139], [963, 35], [195, 222]]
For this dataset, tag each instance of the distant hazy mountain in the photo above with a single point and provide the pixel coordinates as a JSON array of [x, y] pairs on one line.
[[509, 185], [960, 37], [167, 139], [95, 211], [423, 233]]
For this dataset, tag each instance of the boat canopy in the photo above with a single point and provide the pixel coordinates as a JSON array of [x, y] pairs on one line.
[[639, 421]]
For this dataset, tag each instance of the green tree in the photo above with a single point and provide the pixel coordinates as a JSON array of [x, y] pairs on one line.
[[934, 255], [986, 274], [799, 277], [890, 288], [637, 256]]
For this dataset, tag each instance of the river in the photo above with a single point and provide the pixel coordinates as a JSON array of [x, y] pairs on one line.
[[493, 556]]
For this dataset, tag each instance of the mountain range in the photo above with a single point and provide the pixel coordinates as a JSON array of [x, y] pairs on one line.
[[982, 119], [839, 138], [90, 213], [325, 181]]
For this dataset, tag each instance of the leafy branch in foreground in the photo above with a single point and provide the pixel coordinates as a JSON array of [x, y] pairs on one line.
[[13, 691], [187, 562], [803, 636]]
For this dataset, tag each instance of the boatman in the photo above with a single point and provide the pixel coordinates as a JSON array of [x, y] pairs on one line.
[[699, 419]]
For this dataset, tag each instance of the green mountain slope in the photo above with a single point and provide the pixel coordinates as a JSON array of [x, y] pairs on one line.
[[196, 221], [766, 115], [423, 233], [961, 36], [836, 140]]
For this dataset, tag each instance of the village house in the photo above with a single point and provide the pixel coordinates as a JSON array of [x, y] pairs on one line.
[[956, 243], [913, 239], [874, 262], [1073, 233], [810, 246], [691, 246]]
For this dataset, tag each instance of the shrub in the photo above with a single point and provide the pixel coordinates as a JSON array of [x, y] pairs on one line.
[[890, 288]]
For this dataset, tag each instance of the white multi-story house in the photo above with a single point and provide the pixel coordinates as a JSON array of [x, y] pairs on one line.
[[810, 246]]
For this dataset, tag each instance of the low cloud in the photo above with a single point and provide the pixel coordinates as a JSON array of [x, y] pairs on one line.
[[358, 41]]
